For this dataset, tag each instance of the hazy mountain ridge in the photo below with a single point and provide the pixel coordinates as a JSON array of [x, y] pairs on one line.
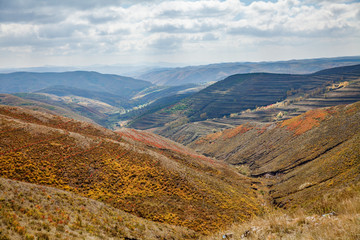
[[92, 81], [216, 72]]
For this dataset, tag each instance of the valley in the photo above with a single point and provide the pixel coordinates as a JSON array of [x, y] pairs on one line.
[[253, 156], [155, 180]]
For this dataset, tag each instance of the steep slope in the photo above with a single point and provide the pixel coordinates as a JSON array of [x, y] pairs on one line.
[[303, 157], [30, 211], [246, 91], [92, 81], [155, 181], [216, 72]]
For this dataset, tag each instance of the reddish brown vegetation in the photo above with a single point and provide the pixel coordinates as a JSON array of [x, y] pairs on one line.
[[303, 123], [226, 134], [165, 183]]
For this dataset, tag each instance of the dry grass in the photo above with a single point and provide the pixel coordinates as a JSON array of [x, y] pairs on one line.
[[156, 180], [29, 211], [344, 223]]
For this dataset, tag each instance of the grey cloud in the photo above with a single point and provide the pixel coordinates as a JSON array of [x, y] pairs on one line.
[[45, 11], [102, 19], [182, 28], [29, 40], [30, 16], [62, 30], [280, 31], [204, 11], [78, 4], [253, 31], [170, 28], [72, 4], [168, 43], [122, 31], [210, 37]]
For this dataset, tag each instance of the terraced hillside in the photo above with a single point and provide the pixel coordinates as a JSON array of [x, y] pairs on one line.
[[145, 176], [245, 91], [345, 92], [303, 157]]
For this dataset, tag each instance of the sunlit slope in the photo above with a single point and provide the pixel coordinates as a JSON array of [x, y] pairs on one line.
[[152, 181], [30, 211], [305, 156]]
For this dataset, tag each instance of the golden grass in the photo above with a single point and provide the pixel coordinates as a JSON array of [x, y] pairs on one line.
[[29, 211], [154, 180], [301, 224]]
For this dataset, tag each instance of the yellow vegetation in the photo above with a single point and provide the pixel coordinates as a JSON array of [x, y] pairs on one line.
[[165, 184]]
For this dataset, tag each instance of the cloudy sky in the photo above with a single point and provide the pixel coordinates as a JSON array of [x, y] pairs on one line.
[[86, 32]]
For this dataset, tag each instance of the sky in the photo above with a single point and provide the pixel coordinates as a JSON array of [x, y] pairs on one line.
[[87, 32]]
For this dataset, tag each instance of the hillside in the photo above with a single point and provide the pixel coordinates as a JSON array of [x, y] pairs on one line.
[[146, 176], [104, 108], [30, 211], [303, 158], [11, 100], [242, 92], [216, 72], [345, 92]]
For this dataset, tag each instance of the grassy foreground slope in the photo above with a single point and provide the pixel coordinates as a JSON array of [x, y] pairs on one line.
[[340, 220], [153, 181], [303, 158], [30, 211]]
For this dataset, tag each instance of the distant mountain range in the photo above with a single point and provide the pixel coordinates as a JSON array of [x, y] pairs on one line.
[[216, 72], [91, 81]]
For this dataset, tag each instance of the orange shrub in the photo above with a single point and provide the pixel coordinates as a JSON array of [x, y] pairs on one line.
[[305, 122]]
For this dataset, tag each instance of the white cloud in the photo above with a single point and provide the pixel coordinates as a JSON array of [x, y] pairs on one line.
[[161, 28]]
